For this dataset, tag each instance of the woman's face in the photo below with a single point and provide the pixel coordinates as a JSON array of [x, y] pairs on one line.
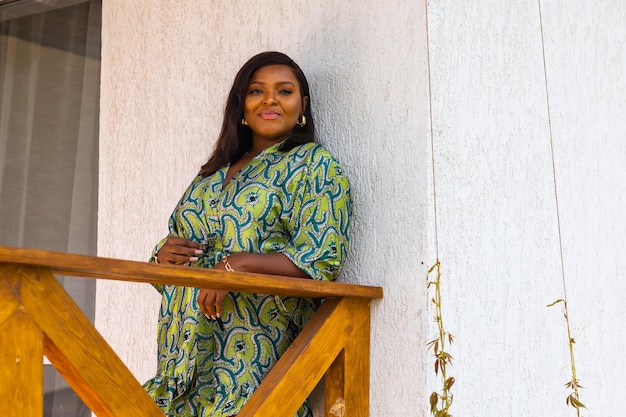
[[273, 103]]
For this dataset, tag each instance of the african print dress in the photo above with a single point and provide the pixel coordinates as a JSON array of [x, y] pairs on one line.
[[296, 203]]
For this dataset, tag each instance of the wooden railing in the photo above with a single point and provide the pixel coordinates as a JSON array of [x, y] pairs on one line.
[[38, 317]]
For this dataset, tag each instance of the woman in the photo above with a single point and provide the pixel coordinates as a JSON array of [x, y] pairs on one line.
[[269, 200]]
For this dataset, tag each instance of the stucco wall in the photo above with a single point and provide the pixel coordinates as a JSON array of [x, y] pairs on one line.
[[167, 67], [495, 183]]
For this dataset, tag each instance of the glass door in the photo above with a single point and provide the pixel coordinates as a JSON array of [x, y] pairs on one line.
[[49, 109]]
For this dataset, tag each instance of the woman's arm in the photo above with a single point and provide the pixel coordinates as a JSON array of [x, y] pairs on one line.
[[264, 263], [211, 302]]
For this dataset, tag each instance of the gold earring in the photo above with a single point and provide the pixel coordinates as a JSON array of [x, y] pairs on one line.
[[244, 122], [302, 121]]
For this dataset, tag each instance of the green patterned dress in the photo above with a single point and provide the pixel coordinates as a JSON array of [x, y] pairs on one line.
[[296, 203]]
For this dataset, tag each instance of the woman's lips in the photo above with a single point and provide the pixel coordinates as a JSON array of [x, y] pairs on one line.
[[268, 115]]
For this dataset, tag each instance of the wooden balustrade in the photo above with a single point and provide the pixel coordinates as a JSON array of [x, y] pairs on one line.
[[38, 317]]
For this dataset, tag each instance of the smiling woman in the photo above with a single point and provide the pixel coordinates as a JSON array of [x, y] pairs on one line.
[[269, 200]]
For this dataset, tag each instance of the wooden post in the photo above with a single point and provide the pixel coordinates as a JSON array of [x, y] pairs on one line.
[[21, 355], [348, 378], [37, 316]]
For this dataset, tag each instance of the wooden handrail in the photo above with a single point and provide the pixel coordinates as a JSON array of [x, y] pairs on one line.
[[38, 317], [133, 271]]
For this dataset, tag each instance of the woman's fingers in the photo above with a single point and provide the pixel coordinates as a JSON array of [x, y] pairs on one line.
[[211, 302], [219, 302], [202, 302], [178, 251]]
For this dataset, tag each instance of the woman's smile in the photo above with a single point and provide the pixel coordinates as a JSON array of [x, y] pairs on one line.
[[269, 115]]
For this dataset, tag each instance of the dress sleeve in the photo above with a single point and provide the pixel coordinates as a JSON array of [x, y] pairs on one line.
[[181, 224], [159, 287], [321, 219]]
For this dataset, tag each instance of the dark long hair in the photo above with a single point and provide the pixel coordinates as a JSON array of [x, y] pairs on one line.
[[235, 139]]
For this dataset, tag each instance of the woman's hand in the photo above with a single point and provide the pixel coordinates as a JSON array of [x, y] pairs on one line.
[[211, 302], [178, 251]]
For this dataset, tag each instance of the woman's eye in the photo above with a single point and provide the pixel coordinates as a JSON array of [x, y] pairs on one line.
[[254, 91], [286, 92]]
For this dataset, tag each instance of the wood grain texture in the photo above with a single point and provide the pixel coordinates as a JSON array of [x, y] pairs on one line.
[[33, 299], [348, 378], [80, 353], [21, 352], [21, 366], [133, 271], [9, 291]]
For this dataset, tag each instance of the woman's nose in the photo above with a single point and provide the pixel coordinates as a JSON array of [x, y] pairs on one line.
[[269, 99]]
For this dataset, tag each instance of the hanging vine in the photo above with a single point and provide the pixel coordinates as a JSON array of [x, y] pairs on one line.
[[573, 399], [440, 401]]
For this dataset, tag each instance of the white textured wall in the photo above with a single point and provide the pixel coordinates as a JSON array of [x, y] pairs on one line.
[[167, 67], [498, 230]]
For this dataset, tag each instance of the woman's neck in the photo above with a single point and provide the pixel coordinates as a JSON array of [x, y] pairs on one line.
[[260, 144]]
